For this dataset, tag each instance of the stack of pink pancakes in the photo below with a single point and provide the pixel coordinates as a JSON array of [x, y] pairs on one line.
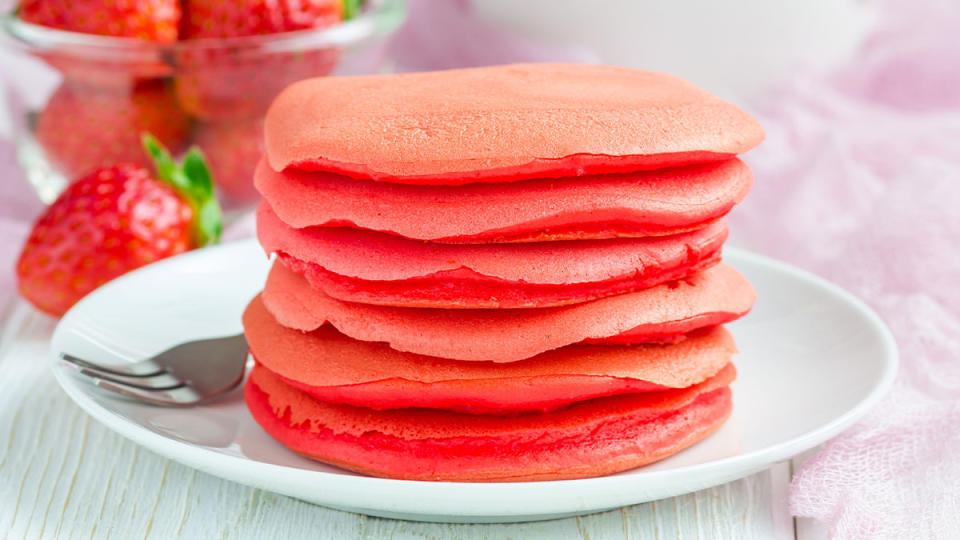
[[497, 274]]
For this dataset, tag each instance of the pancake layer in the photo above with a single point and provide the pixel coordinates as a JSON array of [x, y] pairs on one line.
[[335, 368], [653, 203], [663, 313], [375, 268], [502, 123], [590, 438]]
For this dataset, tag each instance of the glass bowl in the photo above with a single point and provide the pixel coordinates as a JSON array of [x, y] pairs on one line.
[[80, 101]]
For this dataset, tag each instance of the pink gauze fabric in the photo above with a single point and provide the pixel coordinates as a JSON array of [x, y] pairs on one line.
[[859, 181]]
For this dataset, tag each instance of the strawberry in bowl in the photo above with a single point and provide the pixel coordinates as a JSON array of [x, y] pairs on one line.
[[236, 78], [187, 71], [150, 20], [142, 24], [232, 148], [84, 126]]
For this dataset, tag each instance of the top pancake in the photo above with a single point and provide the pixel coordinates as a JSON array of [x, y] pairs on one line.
[[501, 123]]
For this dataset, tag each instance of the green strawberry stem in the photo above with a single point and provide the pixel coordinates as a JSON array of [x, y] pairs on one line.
[[351, 8], [191, 179]]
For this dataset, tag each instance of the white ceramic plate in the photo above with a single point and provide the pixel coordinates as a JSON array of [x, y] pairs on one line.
[[813, 360]]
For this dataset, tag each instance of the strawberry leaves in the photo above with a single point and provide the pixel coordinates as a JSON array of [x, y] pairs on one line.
[[191, 180], [351, 8]]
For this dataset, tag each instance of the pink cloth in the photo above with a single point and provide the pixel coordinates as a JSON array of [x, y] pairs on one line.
[[859, 181]]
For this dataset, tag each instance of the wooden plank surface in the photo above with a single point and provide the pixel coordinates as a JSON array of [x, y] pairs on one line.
[[63, 475]]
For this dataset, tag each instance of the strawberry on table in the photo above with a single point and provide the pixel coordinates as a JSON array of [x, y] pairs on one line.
[[114, 220], [84, 127], [231, 80], [150, 20]]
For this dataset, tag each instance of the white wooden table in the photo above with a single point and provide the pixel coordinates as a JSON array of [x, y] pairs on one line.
[[62, 474]]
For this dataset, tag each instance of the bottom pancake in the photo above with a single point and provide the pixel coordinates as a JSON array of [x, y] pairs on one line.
[[590, 438]]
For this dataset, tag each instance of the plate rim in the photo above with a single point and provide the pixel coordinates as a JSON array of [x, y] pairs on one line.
[[353, 492]]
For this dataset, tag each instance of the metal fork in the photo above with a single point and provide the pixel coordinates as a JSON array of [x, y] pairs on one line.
[[183, 375]]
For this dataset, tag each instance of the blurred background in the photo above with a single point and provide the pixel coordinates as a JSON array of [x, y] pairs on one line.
[[733, 49]]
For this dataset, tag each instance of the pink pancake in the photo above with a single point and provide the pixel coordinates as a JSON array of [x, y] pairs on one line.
[[502, 123], [376, 268], [653, 203], [665, 312], [337, 369], [590, 438]]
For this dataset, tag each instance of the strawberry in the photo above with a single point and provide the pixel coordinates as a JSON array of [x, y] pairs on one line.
[[114, 220], [239, 79], [82, 127], [240, 82], [235, 18], [151, 20], [147, 20], [232, 149]]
